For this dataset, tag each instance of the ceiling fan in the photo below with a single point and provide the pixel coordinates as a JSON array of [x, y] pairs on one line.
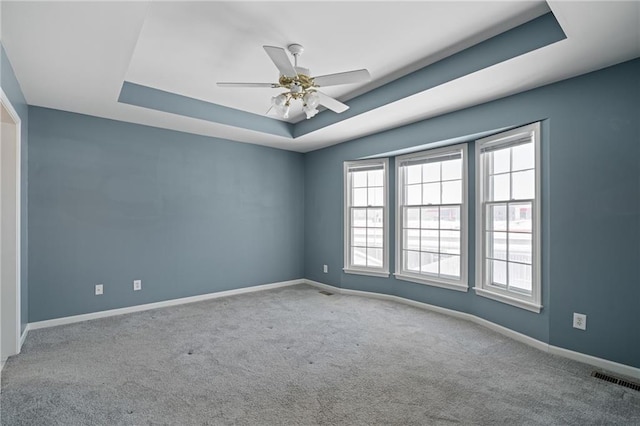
[[300, 85]]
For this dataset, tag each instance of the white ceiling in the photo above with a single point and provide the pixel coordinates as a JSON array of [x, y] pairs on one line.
[[74, 56]]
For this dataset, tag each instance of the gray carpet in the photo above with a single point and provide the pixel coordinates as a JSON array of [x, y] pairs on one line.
[[295, 356]]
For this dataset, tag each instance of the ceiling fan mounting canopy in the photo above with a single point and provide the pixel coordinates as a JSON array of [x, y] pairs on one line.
[[301, 85], [296, 49]]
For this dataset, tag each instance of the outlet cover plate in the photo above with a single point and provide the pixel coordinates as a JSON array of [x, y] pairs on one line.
[[579, 321], [325, 268], [137, 285], [99, 289]]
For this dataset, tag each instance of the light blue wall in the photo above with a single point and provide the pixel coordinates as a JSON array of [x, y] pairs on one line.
[[12, 89], [590, 209], [112, 202]]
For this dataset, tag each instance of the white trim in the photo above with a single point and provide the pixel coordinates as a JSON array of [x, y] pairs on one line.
[[533, 303], [604, 364], [148, 306], [348, 267], [533, 307], [24, 335], [432, 282], [18, 123], [369, 272], [462, 284]]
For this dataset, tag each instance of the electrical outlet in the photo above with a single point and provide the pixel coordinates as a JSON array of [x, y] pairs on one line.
[[137, 285], [99, 289], [325, 268], [579, 321]]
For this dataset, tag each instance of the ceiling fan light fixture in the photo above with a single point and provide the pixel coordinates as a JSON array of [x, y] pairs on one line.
[[311, 99], [281, 104], [309, 111]]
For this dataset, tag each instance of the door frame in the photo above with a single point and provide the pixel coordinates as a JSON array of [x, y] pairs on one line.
[[6, 103]]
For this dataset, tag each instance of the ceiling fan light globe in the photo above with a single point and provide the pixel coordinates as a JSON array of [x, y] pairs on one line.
[[279, 101], [311, 99], [309, 111]]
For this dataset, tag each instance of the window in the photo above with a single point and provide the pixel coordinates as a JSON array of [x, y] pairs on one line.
[[432, 217], [366, 218], [508, 217]]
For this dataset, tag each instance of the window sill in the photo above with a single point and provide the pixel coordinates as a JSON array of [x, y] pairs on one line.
[[529, 306], [431, 282], [370, 273]]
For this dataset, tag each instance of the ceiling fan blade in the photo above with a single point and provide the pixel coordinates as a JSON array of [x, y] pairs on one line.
[[331, 103], [356, 76], [247, 85], [281, 60]]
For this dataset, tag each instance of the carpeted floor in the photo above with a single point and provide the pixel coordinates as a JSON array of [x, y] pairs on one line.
[[293, 356]]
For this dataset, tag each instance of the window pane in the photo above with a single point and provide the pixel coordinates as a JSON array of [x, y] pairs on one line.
[[359, 237], [520, 217], [450, 265], [429, 241], [452, 192], [359, 256], [414, 195], [497, 245], [412, 261], [376, 178], [520, 278], [374, 257], [374, 218], [414, 174], [358, 179], [450, 217], [429, 263], [500, 161], [498, 272], [412, 217], [430, 218], [523, 185], [523, 157], [499, 188], [376, 196], [431, 193], [374, 237], [497, 219], [431, 172], [520, 247], [359, 197], [412, 239], [359, 217], [450, 242], [452, 169]]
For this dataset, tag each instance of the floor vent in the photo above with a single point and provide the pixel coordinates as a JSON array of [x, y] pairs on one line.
[[325, 292], [617, 381]]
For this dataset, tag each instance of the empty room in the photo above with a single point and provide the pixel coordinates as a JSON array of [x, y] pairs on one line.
[[310, 212]]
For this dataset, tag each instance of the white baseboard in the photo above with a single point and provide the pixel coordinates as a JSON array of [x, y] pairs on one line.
[[23, 337], [173, 302], [604, 364]]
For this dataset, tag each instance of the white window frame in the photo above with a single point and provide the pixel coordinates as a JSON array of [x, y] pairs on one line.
[[452, 284], [349, 268], [482, 287]]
